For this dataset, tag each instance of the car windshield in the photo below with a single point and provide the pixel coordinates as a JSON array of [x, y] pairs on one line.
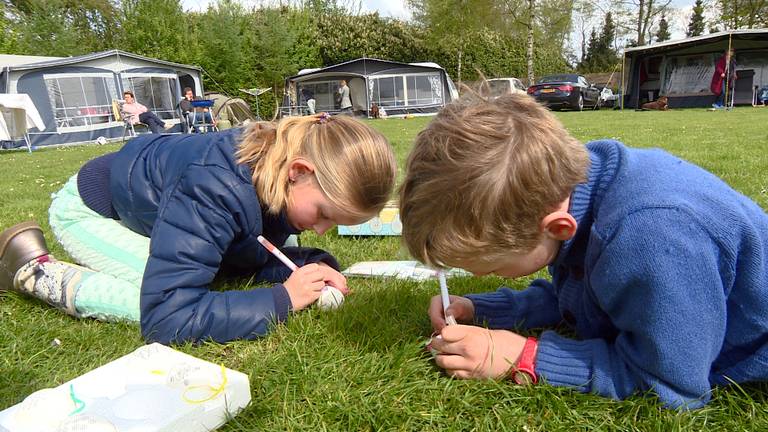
[[559, 78], [498, 87]]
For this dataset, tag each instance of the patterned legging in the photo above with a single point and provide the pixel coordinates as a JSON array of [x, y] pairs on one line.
[[116, 254]]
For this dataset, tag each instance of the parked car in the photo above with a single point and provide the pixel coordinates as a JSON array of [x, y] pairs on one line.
[[566, 91], [502, 86]]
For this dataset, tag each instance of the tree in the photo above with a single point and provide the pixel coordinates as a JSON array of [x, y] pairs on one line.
[[60, 27], [452, 21], [529, 44], [696, 25], [643, 14], [7, 33], [584, 11], [736, 14], [226, 52], [157, 28], [662, 33], [601, 56]]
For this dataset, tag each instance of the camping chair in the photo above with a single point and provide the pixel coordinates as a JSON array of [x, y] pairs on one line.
[[198, 113], [117, 111]]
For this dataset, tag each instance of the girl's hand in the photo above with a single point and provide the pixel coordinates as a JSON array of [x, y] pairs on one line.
[[305, 285], [469, 352], [334, 278], [461, 308]]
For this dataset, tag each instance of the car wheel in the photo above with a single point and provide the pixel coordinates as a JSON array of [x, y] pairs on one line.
[[580, 102]]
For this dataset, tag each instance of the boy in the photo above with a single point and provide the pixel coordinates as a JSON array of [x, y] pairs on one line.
[[657, 265]]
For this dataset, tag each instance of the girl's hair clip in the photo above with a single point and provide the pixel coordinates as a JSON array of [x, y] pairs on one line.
[[323, 117]]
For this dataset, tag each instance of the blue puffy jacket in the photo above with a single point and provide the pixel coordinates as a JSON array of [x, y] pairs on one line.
[[202, 214]]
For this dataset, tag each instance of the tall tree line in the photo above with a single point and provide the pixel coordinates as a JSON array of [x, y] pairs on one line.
[[242, 47]]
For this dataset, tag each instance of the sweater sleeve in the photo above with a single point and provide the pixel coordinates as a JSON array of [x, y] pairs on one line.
[[658, 281], [536, 306], [196, 223]]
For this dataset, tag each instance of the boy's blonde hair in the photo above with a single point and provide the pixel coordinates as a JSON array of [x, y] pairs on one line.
[[481, 177], [354, 165]]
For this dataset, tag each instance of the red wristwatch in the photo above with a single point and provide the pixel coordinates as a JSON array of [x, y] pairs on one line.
[[523, 372]]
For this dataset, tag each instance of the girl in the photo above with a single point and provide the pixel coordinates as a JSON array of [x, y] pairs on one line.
[[157, 220]]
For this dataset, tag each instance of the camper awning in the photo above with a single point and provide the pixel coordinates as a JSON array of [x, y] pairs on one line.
[[15, 105]]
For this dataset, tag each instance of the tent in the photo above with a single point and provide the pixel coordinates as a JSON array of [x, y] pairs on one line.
[[74, 94], [233, 110], [682, 69], [400, 88]]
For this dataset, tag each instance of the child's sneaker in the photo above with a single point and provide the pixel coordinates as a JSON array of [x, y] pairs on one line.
[[19, 245]]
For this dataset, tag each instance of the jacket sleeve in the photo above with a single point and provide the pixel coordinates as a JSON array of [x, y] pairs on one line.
[[536, 306], [664, 294], [275, 271], [197, 221]]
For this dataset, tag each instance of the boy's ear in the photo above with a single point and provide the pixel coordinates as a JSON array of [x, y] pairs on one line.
[[559, 225], [299, 168]]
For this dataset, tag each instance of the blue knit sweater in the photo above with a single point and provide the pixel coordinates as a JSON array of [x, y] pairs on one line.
[[665, 284]]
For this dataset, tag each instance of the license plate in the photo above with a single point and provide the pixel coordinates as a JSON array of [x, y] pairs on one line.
[[547, 90]]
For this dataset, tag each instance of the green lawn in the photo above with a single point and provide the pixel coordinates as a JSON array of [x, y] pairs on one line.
[[362, 367]]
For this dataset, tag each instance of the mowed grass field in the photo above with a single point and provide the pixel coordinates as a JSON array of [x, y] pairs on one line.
[[362, 366]]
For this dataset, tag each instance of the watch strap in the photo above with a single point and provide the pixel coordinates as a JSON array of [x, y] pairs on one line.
[[527, 362]]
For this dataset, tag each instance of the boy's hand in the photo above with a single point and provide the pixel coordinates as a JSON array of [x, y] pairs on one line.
[[334, 278], [305, 285], [461, 308], [469, 352]]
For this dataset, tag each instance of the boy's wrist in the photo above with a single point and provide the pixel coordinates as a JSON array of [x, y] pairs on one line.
[[523, 371]]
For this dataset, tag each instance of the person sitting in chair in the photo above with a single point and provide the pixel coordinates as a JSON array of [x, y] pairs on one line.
[[198, 115], [138, 113]]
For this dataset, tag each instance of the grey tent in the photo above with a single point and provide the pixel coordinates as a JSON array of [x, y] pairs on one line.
[[400, 88], [230, 111], [682, 69], [74, 94]]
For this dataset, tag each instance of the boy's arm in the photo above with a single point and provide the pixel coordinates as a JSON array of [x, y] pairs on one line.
[[536, 306], [657, 280]]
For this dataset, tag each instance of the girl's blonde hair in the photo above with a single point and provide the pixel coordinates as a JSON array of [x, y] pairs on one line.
[[483, 175], [354, 164]]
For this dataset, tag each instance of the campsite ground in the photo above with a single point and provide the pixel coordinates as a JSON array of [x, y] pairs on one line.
[[362, 367]]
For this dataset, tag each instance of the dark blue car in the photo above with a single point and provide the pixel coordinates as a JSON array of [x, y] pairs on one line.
[[566, 91]]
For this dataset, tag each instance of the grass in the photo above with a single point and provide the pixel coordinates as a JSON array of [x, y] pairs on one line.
[[361, 367]]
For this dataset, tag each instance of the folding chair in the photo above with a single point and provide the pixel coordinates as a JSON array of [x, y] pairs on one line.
[[184, 118], [117, 111], [198, 112]]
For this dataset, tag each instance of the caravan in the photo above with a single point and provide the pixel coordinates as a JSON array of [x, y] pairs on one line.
[[74, 95]]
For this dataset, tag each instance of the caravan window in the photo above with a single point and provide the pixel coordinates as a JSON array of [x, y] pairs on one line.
[[81, 101], [406, 90], [156, 92], [388, 91], [424, 89]]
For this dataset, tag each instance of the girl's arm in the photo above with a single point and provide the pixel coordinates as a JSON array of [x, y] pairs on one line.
[[197, 221]]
